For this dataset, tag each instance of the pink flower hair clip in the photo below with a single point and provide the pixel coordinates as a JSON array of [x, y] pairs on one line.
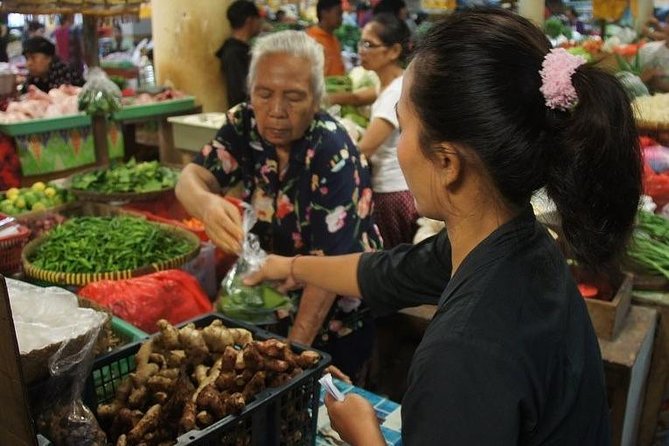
[[556, 71]]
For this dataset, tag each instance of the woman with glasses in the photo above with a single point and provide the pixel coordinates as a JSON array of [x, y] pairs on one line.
[[383, 48]]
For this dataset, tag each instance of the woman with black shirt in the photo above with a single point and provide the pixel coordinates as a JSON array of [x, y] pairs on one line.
[[489, 114]]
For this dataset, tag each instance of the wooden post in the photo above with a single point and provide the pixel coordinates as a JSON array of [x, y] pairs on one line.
[[100, 140], [15, 423], [91, 50]]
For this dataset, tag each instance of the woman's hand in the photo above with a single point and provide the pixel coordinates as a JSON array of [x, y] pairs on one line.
[[355, 420], [223, 224], [275, 268]]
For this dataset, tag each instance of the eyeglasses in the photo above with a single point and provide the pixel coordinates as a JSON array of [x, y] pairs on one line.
[[367, 45]]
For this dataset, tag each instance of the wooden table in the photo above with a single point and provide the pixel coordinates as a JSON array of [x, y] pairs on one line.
[[626, 364], [652, 416]]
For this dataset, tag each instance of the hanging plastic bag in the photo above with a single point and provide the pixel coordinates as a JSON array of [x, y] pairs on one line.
[[173, 295], [256, 304], [99, 94], [52, 330]]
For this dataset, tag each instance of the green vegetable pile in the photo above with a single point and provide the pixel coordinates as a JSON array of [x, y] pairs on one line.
[[128, 177], [94, 102], [336, 84], [255, 304], [348, 36], [649, 247], [554, 27], [104, 244]]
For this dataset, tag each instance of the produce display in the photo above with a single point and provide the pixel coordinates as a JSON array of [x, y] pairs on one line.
[[357, 79], [129, 177], [44, 223], [255, 304], [38, 197], [105, 244], [146, 98], [98, 101], [649, 247], [36, 104], [190, 378]]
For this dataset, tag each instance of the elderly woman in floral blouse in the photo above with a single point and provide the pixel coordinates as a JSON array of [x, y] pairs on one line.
[[305, 179]]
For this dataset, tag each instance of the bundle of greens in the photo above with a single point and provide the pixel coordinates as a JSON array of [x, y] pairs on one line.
[[649, 248], [104, 244], [255, 304], [128, 177]]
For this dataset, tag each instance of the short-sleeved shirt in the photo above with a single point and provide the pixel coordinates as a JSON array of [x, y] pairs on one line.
[[322, 204], [334, 65], [510, 357], [58, 74], [386, 173]]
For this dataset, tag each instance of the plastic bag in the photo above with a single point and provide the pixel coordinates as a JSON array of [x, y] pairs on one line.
[[45, 318], [173, 295], [255, 304], [99, 94]]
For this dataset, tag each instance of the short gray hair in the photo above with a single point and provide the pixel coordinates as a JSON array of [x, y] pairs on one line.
[[294, 43]]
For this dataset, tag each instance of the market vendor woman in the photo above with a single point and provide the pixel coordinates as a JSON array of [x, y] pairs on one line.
[[489, 114], [305, 179], [46, 71]]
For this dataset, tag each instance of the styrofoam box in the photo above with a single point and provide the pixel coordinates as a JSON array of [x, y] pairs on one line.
[[191, 132]]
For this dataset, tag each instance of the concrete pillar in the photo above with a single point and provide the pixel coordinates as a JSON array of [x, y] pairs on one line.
[[186, 35], [533, 10], [642, 10]]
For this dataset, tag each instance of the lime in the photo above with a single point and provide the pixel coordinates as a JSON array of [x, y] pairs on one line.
[[49, 191], [39, 186], [39, 206], [29, 198], [13, 193], [20, 203]]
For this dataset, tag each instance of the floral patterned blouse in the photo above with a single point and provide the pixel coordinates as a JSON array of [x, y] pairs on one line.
[[320, 205]]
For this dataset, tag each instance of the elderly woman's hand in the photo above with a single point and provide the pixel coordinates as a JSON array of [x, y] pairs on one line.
[[223, 224], [355, 420]]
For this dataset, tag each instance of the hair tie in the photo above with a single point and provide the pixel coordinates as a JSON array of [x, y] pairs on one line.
[[557, 69]]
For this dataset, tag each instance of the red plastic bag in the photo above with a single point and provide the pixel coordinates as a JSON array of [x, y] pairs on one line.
[[173, 295]]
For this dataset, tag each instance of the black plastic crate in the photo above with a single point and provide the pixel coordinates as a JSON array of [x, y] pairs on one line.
[[285, 415]]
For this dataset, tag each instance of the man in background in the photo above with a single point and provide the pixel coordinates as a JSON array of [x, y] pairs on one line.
[[246, 23], [329, 19]]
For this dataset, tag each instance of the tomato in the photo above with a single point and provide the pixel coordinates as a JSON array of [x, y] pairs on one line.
[[588, 291]]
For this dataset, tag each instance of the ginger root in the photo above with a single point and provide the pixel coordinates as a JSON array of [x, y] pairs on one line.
[[210, 400], [148, 423], [210, 378], [229, 359], [109, 411], [204, 418], [168, 338], [187, 420], [193, 343]]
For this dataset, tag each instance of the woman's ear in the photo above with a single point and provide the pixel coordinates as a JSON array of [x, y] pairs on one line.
[[395, 51], [451, 165]]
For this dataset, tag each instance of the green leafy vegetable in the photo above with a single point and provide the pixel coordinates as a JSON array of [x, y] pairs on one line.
[[129, 177], [104, 244], [255, 304], [649, 247]]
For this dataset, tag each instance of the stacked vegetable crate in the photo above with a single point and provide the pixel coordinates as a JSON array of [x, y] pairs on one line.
[[285, 415]]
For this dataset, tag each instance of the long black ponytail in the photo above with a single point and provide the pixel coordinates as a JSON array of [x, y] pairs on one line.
[[477, 84]]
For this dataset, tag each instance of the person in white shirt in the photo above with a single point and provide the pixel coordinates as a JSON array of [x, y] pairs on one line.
[[383, 47]]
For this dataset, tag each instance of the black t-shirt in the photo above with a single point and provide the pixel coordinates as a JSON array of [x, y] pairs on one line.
[[235, 60], [510, 357]]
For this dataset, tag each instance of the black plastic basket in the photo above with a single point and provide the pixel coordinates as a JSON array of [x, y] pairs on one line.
[[285, 415]]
